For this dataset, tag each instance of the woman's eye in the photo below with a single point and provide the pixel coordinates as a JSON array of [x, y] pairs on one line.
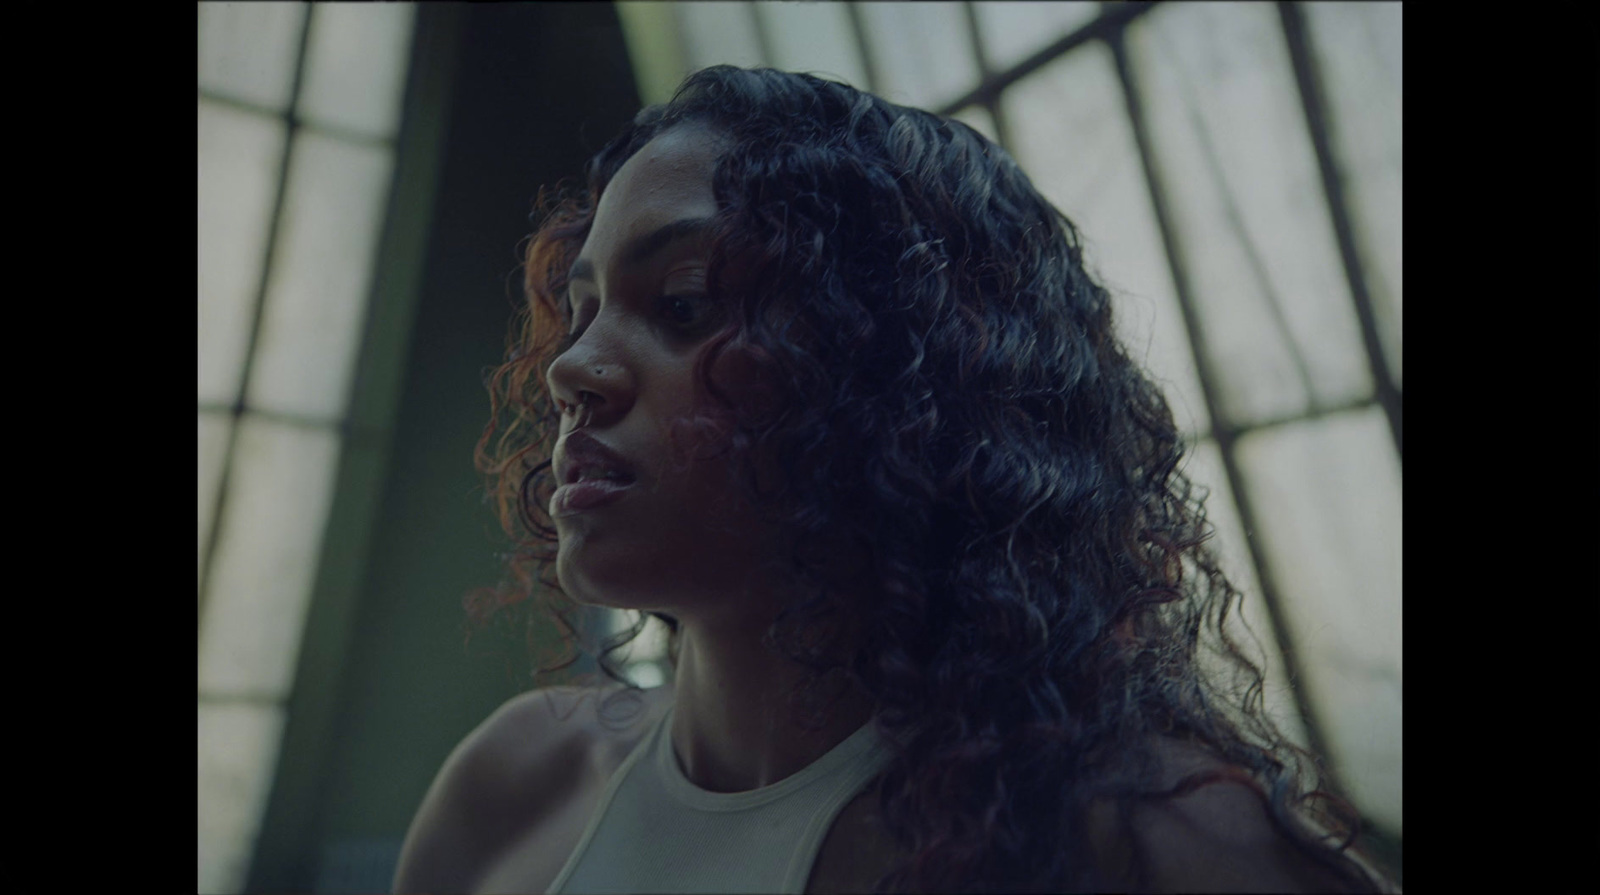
[[685, 311]]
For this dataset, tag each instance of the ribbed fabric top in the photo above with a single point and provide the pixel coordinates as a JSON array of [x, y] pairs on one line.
[[656, 832]]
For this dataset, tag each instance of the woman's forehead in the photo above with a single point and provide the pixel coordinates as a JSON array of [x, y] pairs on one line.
[[668, 179], [673, 168]]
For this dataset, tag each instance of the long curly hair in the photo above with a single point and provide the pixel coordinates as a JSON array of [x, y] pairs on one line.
[[954, 415]]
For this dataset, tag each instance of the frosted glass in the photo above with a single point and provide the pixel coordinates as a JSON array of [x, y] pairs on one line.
[[1248, 206], [650, 30], [922, 50], [1357, 48], [275, 510], [644, 660], [979, 119], [1327, 497], [719, 33], [647, 675], [1204, 467], [240, 155], [356, 59], [651, 644], [238, 757], [1012, 31], [1070, 125], [317, 298], [213, 452], [247, 50], [815, 38]]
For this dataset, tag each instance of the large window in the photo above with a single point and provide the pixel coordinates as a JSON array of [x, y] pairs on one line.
[[299, 108], [1236, 170], [1235, 167]]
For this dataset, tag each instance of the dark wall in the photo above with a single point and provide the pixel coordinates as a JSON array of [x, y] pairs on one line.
[[536, 89]]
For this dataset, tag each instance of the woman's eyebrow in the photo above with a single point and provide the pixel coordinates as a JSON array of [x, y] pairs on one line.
[[641, 249]]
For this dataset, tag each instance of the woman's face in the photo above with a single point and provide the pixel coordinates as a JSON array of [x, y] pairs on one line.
[[648, 509]]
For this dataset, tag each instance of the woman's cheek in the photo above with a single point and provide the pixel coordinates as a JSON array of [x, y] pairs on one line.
[[747, 383]]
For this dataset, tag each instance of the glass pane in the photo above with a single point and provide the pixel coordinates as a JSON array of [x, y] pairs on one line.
[[644, 660], [719, 33], [238, 758], [1357, 48], [1255, 636], [240, 155], [1327, 497], [1248, 207], [979, 119], [247, 50], [650, 29], [1013, 31], [271, 533], [356, 59], [1070, 125], [922, 50], [213, 449], [317, 298], [815, 38]]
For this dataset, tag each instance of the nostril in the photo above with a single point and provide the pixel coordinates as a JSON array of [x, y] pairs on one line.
[[584, 409], [585, 398]]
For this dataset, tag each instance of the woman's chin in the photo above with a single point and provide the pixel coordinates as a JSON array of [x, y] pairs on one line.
[[591, 586]]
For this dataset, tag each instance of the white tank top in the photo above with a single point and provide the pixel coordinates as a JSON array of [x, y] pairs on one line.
[[654, 831]]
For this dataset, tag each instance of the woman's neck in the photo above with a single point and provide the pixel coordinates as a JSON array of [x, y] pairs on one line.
[[734, 725]]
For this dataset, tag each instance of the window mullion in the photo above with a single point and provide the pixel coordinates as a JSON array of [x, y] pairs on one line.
[[990, 103], [990, 88], [869, 62], [1311, 97], [260, 304]]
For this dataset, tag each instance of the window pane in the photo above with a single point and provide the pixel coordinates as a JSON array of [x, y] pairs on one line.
[[651, 31], [271, 532], [213, 448], [719, 33], [1357, 49], [1204, 467], [247, 50], [356, 66], [1229, 134], [238, 757], [317, 298], [644, 660], [1070, 124], [979, 119], [922, 50], [1327, 494], [240, 155], [1013, 31], [813, 37]]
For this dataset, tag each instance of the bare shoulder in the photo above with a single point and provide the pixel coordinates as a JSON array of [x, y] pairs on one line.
[[1218, 838], [529, 757]]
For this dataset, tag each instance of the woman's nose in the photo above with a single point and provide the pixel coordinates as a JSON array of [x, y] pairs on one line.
[[594, 376]]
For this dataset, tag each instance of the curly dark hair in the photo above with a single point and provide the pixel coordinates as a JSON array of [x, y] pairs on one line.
[[956, 417]]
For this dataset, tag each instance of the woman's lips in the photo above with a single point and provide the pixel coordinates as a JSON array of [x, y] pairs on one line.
[[579, 497], [580, 457]]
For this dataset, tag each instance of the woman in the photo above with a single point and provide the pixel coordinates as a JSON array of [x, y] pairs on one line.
[[822, 382]]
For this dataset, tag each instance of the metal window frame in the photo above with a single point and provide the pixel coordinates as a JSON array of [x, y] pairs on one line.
[[290, 116], [288, 820]]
